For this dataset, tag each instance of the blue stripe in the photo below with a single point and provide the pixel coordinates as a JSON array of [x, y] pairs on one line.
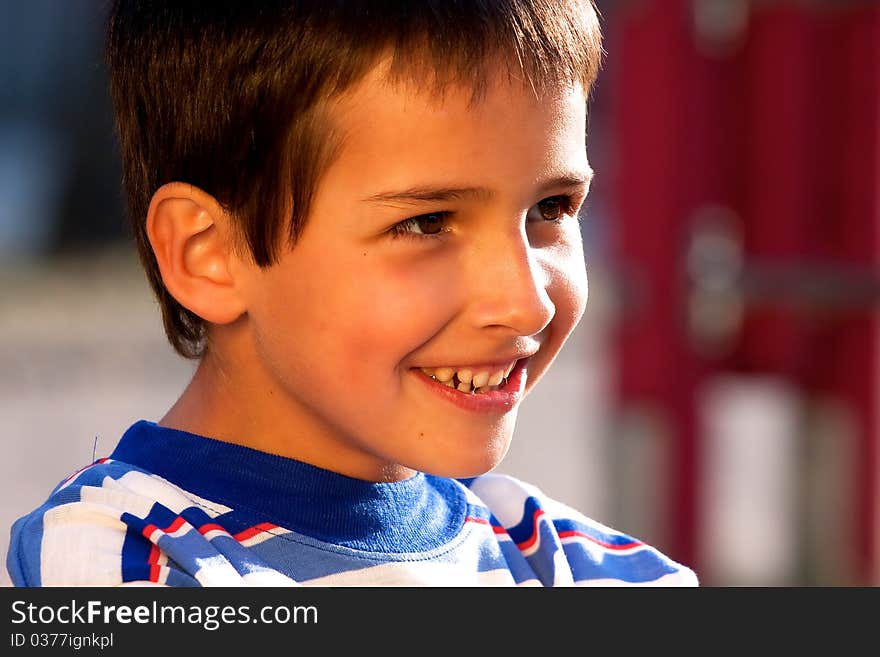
[[516, 563], [542, 561], [644, 565], [135, 552], [23, 557], [522, 531]]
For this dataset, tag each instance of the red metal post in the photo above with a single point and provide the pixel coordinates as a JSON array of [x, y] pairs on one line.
[[654, 110]]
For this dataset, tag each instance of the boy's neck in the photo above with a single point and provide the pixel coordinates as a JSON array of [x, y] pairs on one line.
[[228, 400]]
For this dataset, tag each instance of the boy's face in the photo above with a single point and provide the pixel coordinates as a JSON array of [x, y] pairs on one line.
[[444, 237]]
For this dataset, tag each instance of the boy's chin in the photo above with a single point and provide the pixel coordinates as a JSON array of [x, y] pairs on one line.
[[474, 466]]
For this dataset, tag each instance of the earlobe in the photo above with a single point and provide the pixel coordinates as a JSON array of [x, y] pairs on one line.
[[191, 238]]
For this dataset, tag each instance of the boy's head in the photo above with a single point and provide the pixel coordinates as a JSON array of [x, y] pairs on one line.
[[364, 212], [232, 96]]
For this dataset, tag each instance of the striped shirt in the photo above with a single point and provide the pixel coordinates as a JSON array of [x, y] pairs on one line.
[[172, 508]]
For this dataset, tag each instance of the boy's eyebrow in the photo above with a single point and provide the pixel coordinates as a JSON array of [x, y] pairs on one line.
[[427, 193], [571, 179], [439, 194]]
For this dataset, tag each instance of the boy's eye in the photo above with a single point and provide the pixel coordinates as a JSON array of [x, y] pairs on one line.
[[552, 208], [432, 223]]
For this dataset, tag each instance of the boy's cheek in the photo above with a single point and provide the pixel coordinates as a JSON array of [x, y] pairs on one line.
[[579, 283], [404, 284], [402, 308], [569, 282]]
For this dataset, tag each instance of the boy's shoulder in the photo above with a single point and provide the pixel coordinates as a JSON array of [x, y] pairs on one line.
[[544, 528], [90, 531], [77, 522]]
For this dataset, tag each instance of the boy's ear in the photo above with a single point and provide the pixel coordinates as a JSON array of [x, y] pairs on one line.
[[192, 239]]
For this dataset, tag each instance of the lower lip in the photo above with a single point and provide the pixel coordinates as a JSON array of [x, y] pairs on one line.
[[495, 401]]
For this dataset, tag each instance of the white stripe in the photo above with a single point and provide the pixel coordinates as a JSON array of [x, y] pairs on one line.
[[416, 573], [82, 544], [163, 574], [165, 493], [185, 528], [214, 533], [680, 578]]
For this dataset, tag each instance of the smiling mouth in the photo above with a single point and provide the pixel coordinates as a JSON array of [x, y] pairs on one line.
[[470, 380]]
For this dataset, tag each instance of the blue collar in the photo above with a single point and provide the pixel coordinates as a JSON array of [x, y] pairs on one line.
[[419, 513]]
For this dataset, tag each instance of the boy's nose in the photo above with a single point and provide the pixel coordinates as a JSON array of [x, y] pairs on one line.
[[509, 287]]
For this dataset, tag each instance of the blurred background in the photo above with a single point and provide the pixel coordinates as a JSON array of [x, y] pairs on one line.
[[719, 400]]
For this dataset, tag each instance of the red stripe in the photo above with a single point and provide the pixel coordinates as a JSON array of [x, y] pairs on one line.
[[530, 541], [176, 524], [609, 546], [210, 527], [83, 469], [153, 560], [485, 521], [250, 532]]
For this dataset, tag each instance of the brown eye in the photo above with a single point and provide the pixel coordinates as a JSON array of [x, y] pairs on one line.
[[426, 225], [430, 224], [552, 208]]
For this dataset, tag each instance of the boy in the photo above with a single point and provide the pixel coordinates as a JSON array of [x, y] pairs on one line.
[[361, 218]]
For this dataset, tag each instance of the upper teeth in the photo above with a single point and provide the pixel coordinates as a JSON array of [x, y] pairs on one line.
[[468, 380]]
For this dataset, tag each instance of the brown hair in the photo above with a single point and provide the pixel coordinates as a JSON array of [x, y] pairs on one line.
[[227, 95]]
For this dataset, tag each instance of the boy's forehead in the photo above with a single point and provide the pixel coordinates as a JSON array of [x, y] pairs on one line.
[[395, 133], [385, 95]]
